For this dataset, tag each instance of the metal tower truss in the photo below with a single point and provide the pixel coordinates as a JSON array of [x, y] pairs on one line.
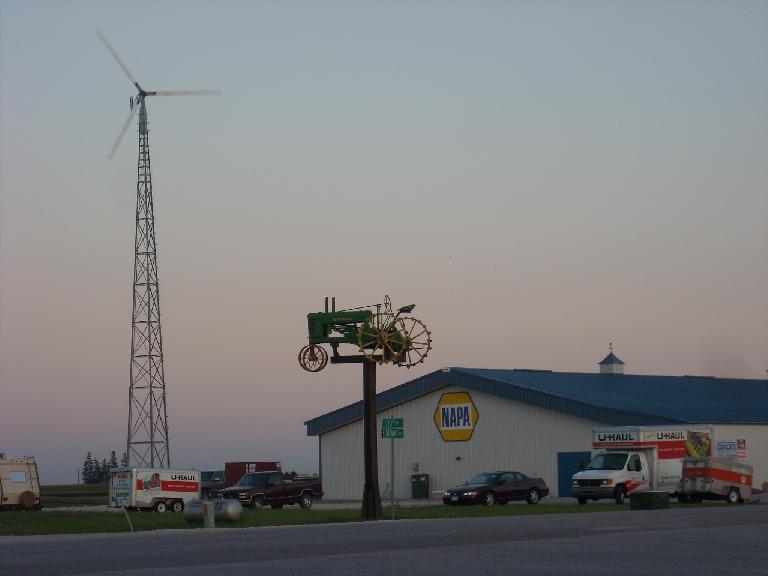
[[147, 413]]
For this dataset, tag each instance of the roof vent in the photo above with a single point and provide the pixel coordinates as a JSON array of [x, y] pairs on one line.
[[611, 364]]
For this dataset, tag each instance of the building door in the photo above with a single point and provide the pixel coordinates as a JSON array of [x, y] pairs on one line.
[[568, 463]]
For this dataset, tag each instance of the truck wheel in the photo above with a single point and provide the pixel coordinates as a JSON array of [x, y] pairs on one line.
[[489, 499], [620, 494], [306, 500], [533, 496], [582, 500], [177, 506], [258, 502], [161, 506], [682, 498], [733, 496]]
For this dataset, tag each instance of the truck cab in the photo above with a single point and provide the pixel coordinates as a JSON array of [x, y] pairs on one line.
[[612, 474]]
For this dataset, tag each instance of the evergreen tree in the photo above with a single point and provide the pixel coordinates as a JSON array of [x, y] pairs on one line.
[[124, 460], [87, 469], [113, 460], [103, 472]]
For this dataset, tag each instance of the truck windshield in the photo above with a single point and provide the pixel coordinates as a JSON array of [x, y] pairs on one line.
[[608, 461], [253, 480]]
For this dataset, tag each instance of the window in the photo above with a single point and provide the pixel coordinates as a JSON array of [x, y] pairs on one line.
[[274, 480], [18, 476], [634, 463]]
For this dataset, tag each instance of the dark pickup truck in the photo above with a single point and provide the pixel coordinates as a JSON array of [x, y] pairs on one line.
[[260, 489]]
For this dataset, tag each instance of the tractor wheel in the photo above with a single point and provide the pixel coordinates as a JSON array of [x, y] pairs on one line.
[[313, 358], [418, 341], [374, 336]]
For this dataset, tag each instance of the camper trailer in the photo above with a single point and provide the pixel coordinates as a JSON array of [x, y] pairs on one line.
[[19, 484]]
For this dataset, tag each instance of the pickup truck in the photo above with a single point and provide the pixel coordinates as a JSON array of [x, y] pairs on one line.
[[270, 488]]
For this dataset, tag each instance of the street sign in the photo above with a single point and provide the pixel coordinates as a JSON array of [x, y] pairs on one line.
[[392, 423], [392, 433]]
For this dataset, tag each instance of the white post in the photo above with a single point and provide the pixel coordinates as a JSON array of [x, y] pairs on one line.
[[392, 470]]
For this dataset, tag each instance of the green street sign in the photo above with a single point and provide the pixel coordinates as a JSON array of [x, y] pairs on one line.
[[392, 433], [391, 423]]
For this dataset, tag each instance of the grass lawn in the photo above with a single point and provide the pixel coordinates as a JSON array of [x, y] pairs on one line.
[[24, 523]]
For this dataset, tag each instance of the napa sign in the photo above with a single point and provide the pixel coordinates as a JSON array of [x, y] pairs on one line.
[[456, 416]]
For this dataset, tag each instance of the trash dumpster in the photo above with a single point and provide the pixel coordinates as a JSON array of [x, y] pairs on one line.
[[420, 486]]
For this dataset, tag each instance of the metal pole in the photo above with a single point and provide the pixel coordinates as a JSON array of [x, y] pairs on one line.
[[392, 470], [371, 497]]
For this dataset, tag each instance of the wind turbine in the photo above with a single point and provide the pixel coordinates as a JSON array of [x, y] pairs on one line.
[[147, 444]]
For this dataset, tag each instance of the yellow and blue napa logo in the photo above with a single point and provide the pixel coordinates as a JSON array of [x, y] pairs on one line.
[[456, 416]]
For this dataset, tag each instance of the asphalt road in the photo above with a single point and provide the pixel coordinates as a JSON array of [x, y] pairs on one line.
[[703, 541]]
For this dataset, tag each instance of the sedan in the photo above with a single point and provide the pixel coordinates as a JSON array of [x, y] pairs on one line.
[[489, 488]]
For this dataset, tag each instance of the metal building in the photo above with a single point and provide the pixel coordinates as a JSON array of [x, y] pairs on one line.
[[460, 421]]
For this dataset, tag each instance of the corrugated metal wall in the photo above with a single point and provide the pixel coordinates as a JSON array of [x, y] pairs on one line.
[[508, 435]]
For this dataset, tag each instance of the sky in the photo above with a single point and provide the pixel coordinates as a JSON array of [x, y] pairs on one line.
[[540, 178]]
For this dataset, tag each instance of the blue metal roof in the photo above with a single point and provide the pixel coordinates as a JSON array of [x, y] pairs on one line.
[[617, 399]]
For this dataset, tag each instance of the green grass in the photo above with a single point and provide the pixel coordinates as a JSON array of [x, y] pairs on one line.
[[65, 522]]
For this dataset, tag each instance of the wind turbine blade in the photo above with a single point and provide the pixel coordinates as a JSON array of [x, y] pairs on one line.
[[131, 114], [186, 93], [103, 38]]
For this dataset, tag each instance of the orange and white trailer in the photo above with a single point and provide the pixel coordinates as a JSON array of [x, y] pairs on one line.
[[715, 479], [155, 488]]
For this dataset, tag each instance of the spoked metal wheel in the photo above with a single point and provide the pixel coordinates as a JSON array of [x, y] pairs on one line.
[[418, 341], [313, 358], [489, 499], [375, 336], [533, 496], [306, 501]]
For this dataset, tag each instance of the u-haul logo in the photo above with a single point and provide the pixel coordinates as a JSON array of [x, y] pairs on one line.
[[456, 416]]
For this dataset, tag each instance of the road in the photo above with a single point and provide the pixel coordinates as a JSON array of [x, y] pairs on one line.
[[702, 541]]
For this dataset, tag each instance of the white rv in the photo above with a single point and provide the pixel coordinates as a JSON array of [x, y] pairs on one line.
[[19, 484]]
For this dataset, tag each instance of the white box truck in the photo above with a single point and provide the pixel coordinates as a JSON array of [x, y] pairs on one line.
[[629, 459], [156, 488], [19, 484]]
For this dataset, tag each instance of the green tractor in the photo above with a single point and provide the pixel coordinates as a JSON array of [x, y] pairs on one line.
[[379, 334]]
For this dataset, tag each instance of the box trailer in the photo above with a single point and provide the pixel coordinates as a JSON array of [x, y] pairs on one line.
[[631, 459], [233, 471], [715, 479], [158, 489], [19, 484]]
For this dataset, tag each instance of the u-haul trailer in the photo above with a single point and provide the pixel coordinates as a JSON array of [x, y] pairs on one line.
[[155, 488], [629, 459]]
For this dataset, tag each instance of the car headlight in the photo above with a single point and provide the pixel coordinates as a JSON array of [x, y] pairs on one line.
[[574, 483], [446, 493], [470, 493], [607, 482]]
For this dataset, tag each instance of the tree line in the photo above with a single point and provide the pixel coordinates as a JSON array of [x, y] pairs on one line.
[[95, 472]]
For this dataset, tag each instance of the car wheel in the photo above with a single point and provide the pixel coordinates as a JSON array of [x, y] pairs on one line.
[[161, 507], [489, 499], [306, 500], [177, 506], [733, 496], [533, 496], [620, 494], [582, 500], [257, 502]]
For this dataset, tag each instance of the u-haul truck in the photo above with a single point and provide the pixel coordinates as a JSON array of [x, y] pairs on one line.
[[629, 459], [155, 488]]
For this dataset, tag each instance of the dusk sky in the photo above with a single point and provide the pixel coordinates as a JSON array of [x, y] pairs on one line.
[[539, 178]]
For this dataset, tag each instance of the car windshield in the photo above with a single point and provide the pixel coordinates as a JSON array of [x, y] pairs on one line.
[[253, 480], [484, 478], [608, 461]]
